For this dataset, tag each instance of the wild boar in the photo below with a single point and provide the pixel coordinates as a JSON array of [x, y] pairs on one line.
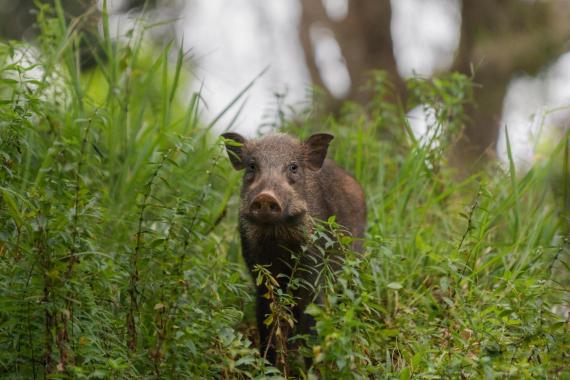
[[287, 185]]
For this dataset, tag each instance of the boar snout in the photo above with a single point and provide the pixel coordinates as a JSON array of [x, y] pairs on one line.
[[265, 208]]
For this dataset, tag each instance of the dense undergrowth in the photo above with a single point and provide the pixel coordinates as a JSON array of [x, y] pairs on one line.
[[119, 254]]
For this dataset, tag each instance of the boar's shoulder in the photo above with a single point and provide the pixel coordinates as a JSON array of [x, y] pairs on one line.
[[341, 196]]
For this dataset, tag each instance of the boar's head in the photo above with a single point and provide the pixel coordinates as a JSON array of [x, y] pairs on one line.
[[278, 170]]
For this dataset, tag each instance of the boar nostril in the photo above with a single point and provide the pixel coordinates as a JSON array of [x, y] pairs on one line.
[[266, 206]]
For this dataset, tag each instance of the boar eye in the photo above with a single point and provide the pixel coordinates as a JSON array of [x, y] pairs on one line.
[[251, 167], [293, 167]]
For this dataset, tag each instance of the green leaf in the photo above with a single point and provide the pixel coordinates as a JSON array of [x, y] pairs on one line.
[[12, 207], [313, 310], [390, 332], [405, 373], [395, 285], [269, 320]]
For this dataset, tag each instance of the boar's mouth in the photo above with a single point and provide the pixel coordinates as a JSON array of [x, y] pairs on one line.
[[286, 219]]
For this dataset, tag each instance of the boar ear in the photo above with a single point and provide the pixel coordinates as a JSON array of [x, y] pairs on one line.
[[317, 146], [234, 146]]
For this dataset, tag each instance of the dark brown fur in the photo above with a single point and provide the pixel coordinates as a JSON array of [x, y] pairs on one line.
[[304, 186]]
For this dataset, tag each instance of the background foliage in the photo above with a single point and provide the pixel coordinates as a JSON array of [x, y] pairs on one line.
[[119, 255]]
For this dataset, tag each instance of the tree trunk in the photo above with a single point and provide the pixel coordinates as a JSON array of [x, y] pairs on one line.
[[365, 41], [500, 39]]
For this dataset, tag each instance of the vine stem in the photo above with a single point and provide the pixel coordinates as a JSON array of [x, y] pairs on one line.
[[134, 277], [66, 316]]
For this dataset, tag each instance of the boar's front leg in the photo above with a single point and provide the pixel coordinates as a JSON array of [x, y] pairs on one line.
[[253, 256], [305, 322], [262, 311], [309, 291]]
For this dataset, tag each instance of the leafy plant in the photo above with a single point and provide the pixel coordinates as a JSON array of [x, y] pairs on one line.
[[119, 255]]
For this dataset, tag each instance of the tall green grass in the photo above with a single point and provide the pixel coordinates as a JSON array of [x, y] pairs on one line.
[[119, 254]]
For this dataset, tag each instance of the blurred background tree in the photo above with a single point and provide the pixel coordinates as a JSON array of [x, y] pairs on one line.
[[498, 40], [18, 21]]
